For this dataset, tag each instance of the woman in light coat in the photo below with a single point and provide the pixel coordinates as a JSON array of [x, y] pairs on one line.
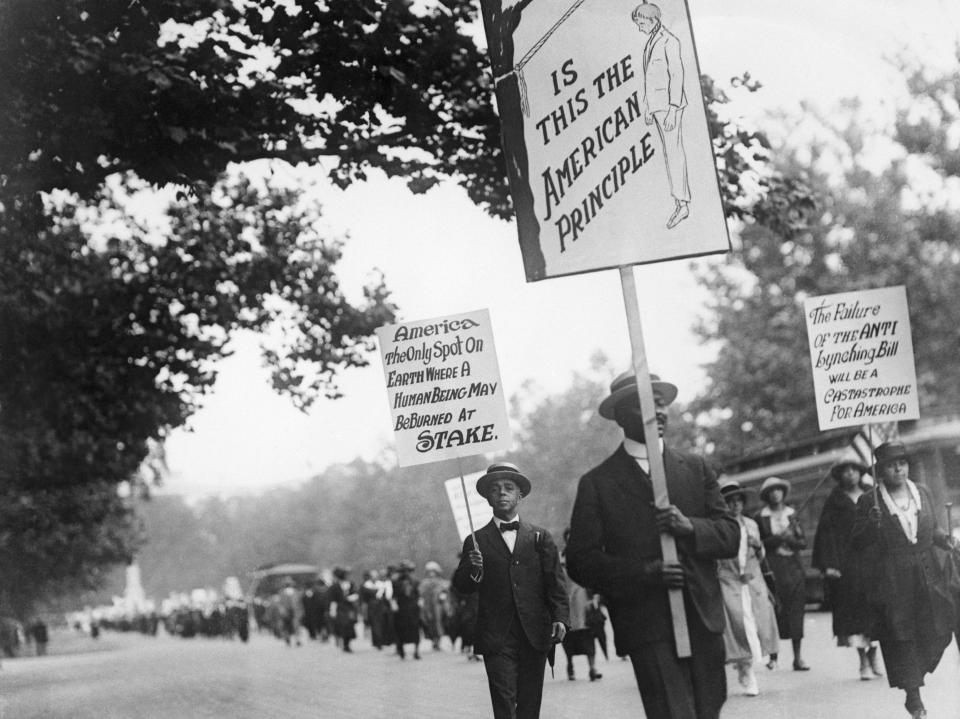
[[751, 627]]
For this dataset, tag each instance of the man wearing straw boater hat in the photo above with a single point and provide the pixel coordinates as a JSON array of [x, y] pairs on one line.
[[523, 609], [614, 549]]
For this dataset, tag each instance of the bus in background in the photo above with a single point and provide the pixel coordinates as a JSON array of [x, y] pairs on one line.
[[933, 442]]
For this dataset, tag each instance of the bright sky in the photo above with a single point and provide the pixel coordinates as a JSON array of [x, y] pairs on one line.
[[441, 255]]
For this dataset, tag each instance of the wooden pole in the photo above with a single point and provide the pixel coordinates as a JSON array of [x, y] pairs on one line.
[[668, 546]]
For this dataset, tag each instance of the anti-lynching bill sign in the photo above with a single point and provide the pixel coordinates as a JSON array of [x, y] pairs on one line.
[[862, 356], [605, 134], [444, 388]]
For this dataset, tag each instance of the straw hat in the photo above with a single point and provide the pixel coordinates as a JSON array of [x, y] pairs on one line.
[[772, 483], [625, 386], [503, 470]]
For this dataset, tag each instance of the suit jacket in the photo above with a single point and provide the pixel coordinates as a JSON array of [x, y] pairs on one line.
[[663, 72], [529, 583], [613, 537]]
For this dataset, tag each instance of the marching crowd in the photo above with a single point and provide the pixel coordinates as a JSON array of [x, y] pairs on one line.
[[892, 578]]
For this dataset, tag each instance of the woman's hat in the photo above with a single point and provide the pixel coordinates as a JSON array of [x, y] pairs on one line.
[[837, 469], [772, 483], [889, 452], [625, 386], [503, 470], [731, 488], [341, 572], [432, 566], [406, 565]]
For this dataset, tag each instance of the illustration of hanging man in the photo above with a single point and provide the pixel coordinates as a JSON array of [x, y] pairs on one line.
[[664, 100]]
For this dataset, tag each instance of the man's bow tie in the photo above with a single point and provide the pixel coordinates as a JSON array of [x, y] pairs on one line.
[[508, 526]]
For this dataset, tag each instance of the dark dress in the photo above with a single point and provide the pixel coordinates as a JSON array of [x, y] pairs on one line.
[[831, 550], [345, 621], [788, 574], [406, 618], [912, 612]]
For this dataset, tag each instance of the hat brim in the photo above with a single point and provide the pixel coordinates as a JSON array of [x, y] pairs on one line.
[[838, 468], [730, 493], [778, 485], [483, 484], [608, 407]]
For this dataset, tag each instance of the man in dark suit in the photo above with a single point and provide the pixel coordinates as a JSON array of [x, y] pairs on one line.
[[614, 549], [523, 610]]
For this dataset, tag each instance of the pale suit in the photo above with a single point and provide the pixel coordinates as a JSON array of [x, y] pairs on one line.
[[662, 87]]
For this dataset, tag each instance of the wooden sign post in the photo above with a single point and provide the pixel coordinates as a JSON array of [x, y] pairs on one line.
[[658, 475]]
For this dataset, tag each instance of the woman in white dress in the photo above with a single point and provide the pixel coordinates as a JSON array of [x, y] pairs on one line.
[[751, 627]]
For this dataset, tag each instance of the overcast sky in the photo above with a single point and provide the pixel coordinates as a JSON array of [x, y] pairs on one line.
[[441, 255]]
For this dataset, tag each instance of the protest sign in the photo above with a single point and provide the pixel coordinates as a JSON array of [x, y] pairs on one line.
[[604, 130], [862, 356], [444, 389], [479, 508]]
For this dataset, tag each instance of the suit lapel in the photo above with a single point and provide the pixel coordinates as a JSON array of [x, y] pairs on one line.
[[495, 540], [628, 473]]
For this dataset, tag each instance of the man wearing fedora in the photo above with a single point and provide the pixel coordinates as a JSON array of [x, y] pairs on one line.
[[515, 567], [614, 549]]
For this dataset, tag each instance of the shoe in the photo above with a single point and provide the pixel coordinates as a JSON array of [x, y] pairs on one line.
[[772, 664], [800, 666], [750, 686], [679, 215], [918, 714], [594, 675], [865, 674], [570, 675]]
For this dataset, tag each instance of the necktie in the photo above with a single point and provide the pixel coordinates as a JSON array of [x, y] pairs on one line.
[[508, 526]]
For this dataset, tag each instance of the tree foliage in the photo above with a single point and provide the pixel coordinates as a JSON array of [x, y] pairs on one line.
[[107, 351], [886, 215]]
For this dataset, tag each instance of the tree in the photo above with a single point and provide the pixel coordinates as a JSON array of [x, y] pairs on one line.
[[871, 228], [107, 351]]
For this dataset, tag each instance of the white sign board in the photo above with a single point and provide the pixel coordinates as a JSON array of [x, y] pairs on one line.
[[862, 356], [444, 389], [480, 508], [605, 135]]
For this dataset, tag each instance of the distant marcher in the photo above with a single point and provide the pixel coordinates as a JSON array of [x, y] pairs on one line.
[[614, 549], [312, 617], [290, 606], [40, 636], [582, 638], [515, 568], [434, 591], [463, 622], [844, 571], [343, 597], [914, 612], [406, 613], [380, 592], [783, 539], [751, 628]]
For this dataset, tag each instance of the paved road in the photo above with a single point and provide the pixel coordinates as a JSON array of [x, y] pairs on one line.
[[168, 678]]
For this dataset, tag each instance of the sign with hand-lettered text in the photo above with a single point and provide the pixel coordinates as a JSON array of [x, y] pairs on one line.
[[480, 510], [444, 389], [604, 132], [862, 356]]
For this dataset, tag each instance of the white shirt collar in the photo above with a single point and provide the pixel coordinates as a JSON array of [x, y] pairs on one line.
[[638, 450]]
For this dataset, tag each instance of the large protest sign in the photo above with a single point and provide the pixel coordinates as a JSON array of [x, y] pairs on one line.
[[444, 389], [480, 510], [605, 135], [862, 356]]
